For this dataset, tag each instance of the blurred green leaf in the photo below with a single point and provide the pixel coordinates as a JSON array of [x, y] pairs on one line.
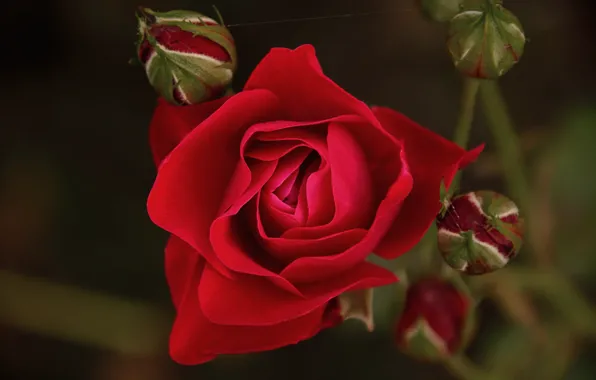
[[80, 316], [514, 354], [574, 192]]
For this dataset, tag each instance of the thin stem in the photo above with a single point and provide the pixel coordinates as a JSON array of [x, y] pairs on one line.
[[466, 116], [506, 140], [512, 299], [561, 293], [463, 368], [466, 113], [80, 316]]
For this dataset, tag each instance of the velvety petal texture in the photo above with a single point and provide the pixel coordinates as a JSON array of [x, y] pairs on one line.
[[170, 124], [276, 196]]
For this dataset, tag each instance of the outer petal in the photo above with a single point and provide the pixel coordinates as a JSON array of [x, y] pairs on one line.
[[192, 181], [170, 124], [252, 300], [295, 76], [432, 159], [180, 264], [195, 340]]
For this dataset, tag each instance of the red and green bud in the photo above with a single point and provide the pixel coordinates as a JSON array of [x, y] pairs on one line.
[[479, 232], [436, 321], [485, 41], [189, 58]]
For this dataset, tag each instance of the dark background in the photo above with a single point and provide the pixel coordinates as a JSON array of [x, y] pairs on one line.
[[82, 293]]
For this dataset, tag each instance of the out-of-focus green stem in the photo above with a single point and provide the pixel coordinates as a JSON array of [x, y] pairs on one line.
[[463, 368], [466, 116], [561, 293], [506, 140], [466, 112], [81, 316], [460, 137]]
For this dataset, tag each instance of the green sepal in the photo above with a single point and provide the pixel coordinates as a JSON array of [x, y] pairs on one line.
[[420, 345], [445, 197], [494, 205], [219, 16], [477, 252], [485, 40], [506, 229], [176, 13], [358, 304], [462, 251], [160, 76]]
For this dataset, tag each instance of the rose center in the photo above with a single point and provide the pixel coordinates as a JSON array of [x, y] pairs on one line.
[[308, 166]]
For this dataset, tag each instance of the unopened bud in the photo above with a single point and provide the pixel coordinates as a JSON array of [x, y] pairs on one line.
[[189, 58], [436, 319], [485, 42], [479, 232]]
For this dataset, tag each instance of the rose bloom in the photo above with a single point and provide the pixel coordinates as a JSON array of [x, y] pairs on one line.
[[274, 198]]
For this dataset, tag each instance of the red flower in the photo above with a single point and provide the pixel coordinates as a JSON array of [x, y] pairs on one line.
[[276, 196]]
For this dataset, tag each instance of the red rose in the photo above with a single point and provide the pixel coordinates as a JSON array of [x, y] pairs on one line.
[[276, 196]]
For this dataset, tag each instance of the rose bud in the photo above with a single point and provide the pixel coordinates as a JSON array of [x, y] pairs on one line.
[[479, 232], [441, 10], [189, 58], [485, 42], [436, 320]]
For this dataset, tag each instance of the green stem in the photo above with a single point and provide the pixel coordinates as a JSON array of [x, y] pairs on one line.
[[463, 368], [466, 116], [460, 137], [466, 113], [561, 293], [506, 140]]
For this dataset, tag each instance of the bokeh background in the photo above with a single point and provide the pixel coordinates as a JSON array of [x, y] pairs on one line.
[[82, 290]]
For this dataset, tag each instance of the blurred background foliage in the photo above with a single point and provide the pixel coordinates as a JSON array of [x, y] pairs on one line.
[[82, 291]]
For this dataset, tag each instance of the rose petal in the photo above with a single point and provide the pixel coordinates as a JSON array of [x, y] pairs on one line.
[[236, 247], [264, 151], [180, 262], [170, 124], [251, 300], [246, 183], [275, 220], [301, 212], [179, 201], [230, 238], [308, 269], [295, 76], [312, 135], [287, 250], [319, 195], [287, 166], [195, 340], [431, 158], [283, 191], [351, 186]]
